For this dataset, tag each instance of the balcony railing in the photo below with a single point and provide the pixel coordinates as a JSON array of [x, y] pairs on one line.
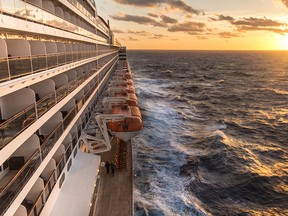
[[20, 66], [49, 185], [13, 126], [51, 139], [38, 205], [16, 184], [68, 151], [16, 124], [34, 13], [14, 67], [60, 165]]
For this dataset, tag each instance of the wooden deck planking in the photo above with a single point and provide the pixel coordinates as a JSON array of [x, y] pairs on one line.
[[116, 193]]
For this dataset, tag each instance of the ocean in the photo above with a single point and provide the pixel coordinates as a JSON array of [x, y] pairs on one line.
[[215, 133]]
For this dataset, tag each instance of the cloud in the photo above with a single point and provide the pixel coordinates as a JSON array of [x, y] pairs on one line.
[[150, 35], [257, 22], [222, 17], [118, 31], [129, 39], [167, 19], [252, 24], [228, 34], [188, 27], [174, 4], [153, 15], [200, 37], [138, 19]]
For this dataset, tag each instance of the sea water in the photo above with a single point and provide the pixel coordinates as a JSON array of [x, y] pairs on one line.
[[215, 133]]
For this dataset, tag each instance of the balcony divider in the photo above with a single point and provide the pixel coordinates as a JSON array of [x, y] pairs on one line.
[[38, 205]]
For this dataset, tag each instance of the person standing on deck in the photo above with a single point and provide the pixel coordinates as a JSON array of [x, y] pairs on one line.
[[107, 166], [112, 168]]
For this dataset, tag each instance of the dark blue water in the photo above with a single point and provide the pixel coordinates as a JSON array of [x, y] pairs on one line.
[[215, 136]]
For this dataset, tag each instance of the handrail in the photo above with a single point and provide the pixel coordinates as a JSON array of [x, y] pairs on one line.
[[16, 115], [94, 197], [83, 76], [19, 172], [50, 134], [45, 97]]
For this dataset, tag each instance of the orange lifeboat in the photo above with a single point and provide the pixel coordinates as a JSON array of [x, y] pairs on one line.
[[122, 83], [123, 76], [129, 126], [130, 98]]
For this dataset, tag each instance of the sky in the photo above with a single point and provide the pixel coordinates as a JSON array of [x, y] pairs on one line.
[[198, 24]]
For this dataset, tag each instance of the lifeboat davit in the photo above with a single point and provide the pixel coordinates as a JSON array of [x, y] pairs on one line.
[[131, 124]]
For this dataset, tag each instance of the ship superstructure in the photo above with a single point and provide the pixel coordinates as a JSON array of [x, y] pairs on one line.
[[56, 56]]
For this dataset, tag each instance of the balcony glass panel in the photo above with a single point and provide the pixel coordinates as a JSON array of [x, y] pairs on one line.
[[49, 185], [8, 6], [68, 151], [60, 166], [16, 184], [51, 140], [34, 13], [61, 58], [73, 84], [39, 62], [19, 66], [69, 117], [69, 57], [62, 92], [75, 56], [45, 103], [4, 71], [52, 60], [20, 8], [14, 125]]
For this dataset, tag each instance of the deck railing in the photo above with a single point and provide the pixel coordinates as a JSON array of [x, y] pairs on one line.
[[51, 139], [16, 184], [49, 185], [60, 165], [13, 126], [94, 197], [35, 13], [16, 124]]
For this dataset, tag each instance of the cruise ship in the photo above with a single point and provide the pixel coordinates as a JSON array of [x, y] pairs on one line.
[[65, 92]]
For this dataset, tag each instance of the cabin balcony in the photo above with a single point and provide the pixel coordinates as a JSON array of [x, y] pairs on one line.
[[22, 108], [19, 57], [51, 13]]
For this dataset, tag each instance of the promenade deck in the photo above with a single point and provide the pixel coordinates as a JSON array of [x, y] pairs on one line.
[[115, 197]]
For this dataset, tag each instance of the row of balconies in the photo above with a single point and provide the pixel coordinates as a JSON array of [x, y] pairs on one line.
[[19, 57], [44, 12], [27, 158], [14, 123], [85, 8]]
